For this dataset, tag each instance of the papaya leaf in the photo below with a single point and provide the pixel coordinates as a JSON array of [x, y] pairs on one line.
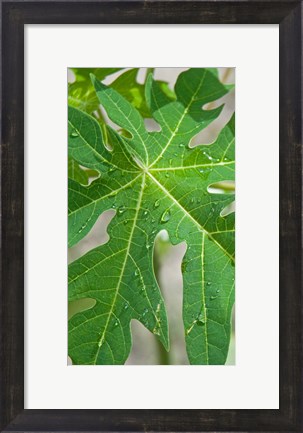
[[154, 181], [76, 173], [81, 93]]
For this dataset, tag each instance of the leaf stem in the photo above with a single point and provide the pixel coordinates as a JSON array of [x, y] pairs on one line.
[[163, 355]]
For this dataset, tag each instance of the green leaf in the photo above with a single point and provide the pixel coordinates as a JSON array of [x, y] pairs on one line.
[[127, 85], [154, 181], [81, 93], [76, 173]]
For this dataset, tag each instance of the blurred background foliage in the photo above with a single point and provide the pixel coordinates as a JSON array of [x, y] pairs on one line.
[[129, 82]]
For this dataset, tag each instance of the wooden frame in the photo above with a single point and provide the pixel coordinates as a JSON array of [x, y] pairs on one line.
[[288, 14]]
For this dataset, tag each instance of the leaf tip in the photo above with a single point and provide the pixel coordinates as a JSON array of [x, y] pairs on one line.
[[93, 78]]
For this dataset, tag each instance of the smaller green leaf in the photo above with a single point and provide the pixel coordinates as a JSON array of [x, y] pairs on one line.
[[82, 74], [127, 85], [81, 93]]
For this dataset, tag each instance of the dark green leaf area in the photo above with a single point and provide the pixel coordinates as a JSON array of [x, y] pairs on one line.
[[153, 181]]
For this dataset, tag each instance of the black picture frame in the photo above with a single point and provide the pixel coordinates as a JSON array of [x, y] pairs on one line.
[[14, 15]]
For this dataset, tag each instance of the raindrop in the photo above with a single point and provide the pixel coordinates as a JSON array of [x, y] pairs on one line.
[[218, 291], [208, 283], [157, 203], [125, 221], [181, 145], [145, 312], [126, 306], [205, 172], [136, 272], [166, 216], [192, 200], [75, 134], [201, 318], [166, 174], [116, 323], [145, 212], [121, 209], [209, 157], [213, 297]]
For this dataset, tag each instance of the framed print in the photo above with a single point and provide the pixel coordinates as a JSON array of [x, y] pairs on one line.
[[135, 76]]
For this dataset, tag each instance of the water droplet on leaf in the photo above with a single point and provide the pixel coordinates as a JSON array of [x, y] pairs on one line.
[[121, 210], [166, 216], [201, 318]]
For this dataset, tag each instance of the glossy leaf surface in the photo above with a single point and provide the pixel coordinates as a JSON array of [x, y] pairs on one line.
[[154, 181]]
